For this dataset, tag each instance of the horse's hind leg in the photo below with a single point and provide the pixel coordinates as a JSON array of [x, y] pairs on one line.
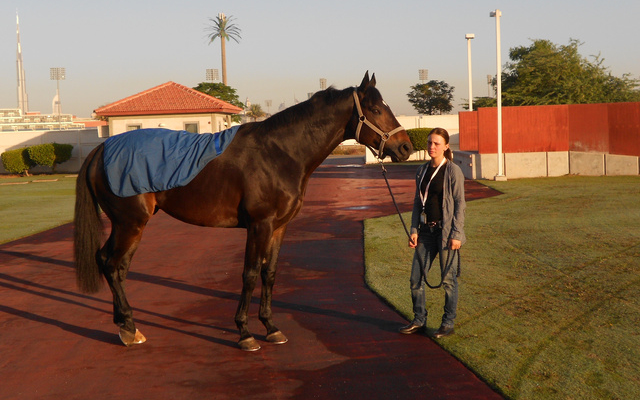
[[115, 258], [268, 274]]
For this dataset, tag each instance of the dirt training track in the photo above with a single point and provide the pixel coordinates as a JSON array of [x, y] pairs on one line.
[[184, 286]]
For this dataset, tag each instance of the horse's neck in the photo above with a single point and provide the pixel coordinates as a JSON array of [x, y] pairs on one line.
[[322, 136]]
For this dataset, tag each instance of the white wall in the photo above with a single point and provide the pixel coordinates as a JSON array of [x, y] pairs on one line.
[[207, 123], [83, 142], [448, 122]]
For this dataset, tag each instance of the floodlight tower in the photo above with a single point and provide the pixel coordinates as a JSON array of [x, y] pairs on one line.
[[423, 75], [58, 74], [212, 75]]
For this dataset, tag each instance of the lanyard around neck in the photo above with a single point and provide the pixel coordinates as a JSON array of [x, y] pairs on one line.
[[426, 191]]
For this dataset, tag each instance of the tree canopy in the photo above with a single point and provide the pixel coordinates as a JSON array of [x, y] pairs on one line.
[[433, 97], [545, 73], [482, 101], [222, 92], [255, 112]]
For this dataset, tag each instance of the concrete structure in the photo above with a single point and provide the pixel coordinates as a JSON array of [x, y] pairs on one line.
[[83, 141], [546, 164], [170, 106], [448, 122], [23, 99], [14, 120]]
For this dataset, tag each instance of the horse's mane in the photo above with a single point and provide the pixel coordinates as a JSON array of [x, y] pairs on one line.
[[306, 109]]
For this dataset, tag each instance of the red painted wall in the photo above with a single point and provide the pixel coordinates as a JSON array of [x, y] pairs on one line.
[[468, 122], [532, 129], [624, 129], [589, 127], [488, 130], [610, 128]]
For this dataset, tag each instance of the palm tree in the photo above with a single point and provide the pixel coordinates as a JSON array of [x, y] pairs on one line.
[[255, 112], [225, 29]]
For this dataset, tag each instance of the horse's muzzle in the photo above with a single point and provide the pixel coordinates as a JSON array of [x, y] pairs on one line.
[[402, 152]]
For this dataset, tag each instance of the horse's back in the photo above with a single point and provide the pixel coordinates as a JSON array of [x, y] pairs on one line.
[[250, 181]]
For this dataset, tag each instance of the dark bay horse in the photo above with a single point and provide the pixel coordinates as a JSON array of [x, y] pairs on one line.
[[258, 183]]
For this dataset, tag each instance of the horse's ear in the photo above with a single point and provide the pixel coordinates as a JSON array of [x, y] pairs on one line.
[[365, 81], [372, 82]]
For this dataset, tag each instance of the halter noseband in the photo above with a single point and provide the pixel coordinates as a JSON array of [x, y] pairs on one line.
[[363, 120]]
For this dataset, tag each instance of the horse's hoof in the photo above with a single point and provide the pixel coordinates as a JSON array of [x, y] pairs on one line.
[[249, 344], [129, 338], [277, 338]]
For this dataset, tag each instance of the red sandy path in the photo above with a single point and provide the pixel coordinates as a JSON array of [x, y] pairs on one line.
[[343, 343]]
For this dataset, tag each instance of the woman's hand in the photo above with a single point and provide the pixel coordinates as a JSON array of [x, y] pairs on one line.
[[454, 244], [413, 241]]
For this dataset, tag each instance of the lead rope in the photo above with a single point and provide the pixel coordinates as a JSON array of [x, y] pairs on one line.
[[384, 174], [422, 262]]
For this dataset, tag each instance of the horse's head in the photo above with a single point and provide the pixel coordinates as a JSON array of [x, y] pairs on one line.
[[377, 127]]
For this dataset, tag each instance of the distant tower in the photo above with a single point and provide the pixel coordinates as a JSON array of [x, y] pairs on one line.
[[23, 100]]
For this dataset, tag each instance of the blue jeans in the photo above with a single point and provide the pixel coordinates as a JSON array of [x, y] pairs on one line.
[[428, 248]]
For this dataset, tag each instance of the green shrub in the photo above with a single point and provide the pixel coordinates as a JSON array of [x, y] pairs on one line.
[[63, 152], [42, 154], [17, 161], [419, 137], [50, 154]]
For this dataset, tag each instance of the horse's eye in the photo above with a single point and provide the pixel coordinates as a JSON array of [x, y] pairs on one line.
[[375, 111]]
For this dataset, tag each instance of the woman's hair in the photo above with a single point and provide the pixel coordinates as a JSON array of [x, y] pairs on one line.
[[445, 135]]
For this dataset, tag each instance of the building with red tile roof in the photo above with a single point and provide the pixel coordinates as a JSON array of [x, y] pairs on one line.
[[171, 106]]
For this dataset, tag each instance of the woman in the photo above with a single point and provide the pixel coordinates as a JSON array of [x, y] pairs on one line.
[[437, 227]]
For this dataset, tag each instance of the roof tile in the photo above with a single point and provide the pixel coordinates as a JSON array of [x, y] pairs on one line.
[[168, 98]]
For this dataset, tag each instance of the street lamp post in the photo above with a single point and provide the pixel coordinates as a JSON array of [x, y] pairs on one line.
[[58, 74], [469, 36], [500, 176]]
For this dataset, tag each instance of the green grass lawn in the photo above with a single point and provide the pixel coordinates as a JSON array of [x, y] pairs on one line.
[[550, 290], [33, 204]]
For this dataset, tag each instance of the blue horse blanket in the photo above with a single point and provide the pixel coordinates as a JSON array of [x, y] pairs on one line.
[[153, 160]]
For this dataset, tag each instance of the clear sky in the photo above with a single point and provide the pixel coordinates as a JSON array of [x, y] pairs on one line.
[[117, 48]]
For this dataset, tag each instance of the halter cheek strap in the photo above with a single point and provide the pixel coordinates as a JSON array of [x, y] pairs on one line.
[[384, 136]]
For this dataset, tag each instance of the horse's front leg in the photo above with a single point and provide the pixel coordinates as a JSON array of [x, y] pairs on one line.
[[258, 240], [268, 274]]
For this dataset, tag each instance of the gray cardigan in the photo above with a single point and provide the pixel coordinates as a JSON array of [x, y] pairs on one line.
[[453, 203]]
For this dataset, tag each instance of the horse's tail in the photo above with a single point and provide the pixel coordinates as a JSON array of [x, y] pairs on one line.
[[87, 233]]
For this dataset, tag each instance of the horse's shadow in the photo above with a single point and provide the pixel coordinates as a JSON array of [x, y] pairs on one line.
[[80, 300], [100, 336], [94, 334]]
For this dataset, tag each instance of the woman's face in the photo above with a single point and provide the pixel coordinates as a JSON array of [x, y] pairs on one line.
[[436, 146]]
